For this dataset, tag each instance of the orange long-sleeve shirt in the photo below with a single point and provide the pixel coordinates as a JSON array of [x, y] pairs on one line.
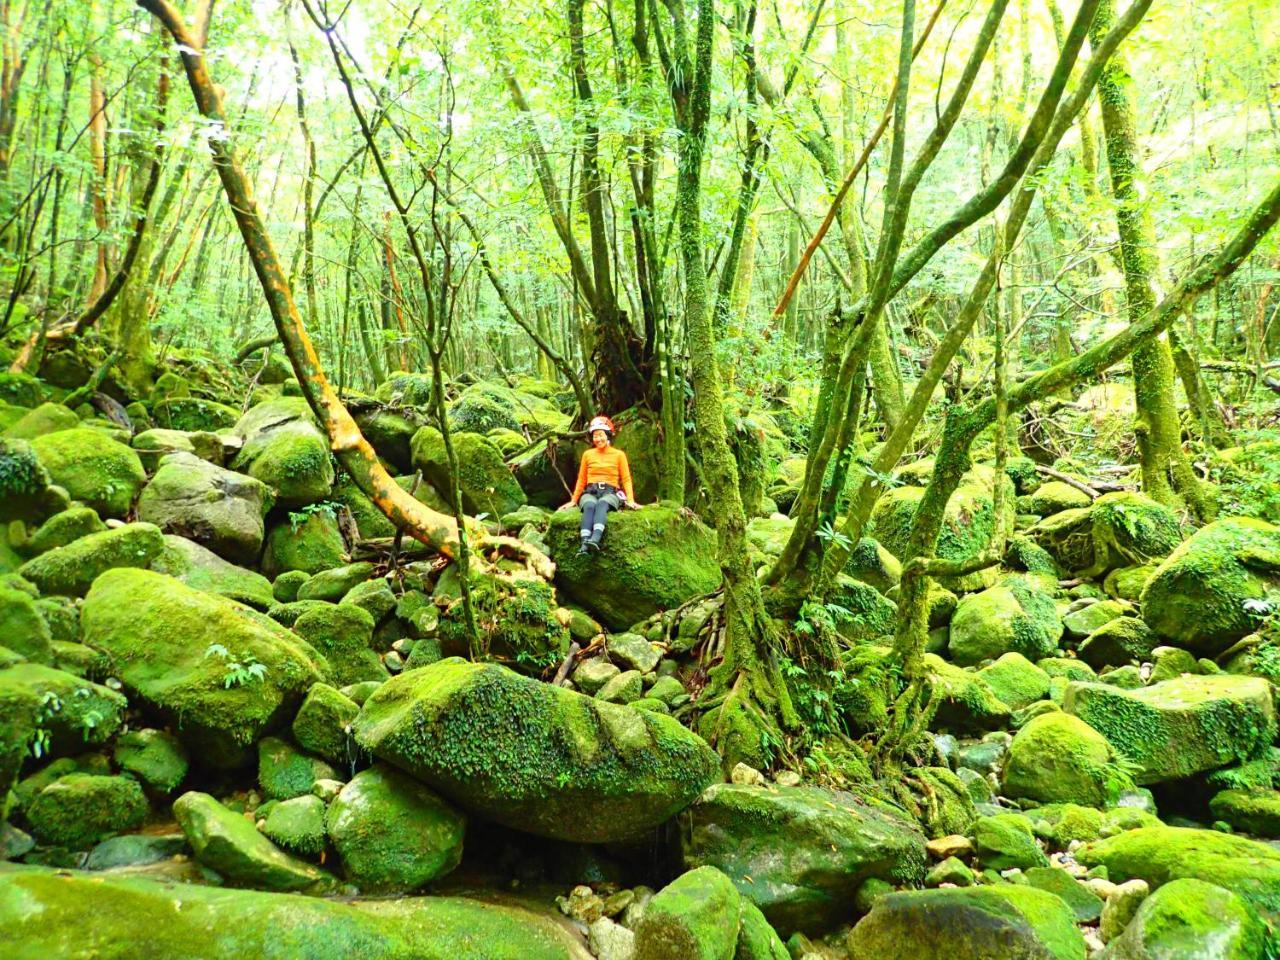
[[604, 466]]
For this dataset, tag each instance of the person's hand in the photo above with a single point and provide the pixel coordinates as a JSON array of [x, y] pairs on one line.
[[566, 506], [632, 505]]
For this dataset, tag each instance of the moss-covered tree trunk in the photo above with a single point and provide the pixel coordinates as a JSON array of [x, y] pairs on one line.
[[1166, 471]]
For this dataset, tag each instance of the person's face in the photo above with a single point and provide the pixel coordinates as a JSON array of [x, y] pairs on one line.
[[600, 439]]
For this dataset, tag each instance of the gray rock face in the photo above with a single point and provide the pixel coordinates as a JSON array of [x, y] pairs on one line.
[[218, 509]]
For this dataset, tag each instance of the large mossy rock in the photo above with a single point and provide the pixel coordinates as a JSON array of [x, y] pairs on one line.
[[93, 916], [967, 526], [286, 450], [1182, 726], [1000, 922], [1199, 598], [80, 809], [486, 485], [71, 570], [46, 418], [24, 482], [393, 833], [1014, 616], [1188, 919], [800, 853], [174, 648], [310, 542], [651, 559], [218, 509], [1130, 529], [694, 917], [62, 712], [23, 629], [92, 468], [533, 756], [194, 414], [1058, 758], [342, 633], [229, 843], [205, 570], [1160, 855]]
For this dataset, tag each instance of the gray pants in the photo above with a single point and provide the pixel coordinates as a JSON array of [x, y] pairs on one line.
[[595, 508]]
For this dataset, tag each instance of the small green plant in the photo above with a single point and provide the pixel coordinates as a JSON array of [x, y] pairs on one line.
[[50, 706], [300, 516], [237, 673]]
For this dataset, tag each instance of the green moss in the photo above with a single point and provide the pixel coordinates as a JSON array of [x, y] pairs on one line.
[[21, 389], [801, 853], [410, 389], [1058, 758], [92, 468], [284, 772], [22, 627], [285, 587], [1016, 681], [1068, 538], [1184, 917], [332, 585], [394, 834], [71, 570], [194, 414], [536, 757], [1060, 824], [1001, 920], [694, 917], [1006, 840], [23, 481], [1199, 596], [80, 809], [46, 418], [651, 559], [311, 544], [1131, 529], [964, 702], [229, 843], [158, 635], [516, 619], [1249, 811], [285, 449], [64, 527], [1012, 616], [486, 485], [478, 412], [342, 632], [154, 757], [204, 570], [1052, 497], [323, 724], [1160, 855], [1179, 727], [81, 916], [297, 825]]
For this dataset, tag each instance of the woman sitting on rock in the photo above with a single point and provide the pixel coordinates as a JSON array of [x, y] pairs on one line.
[[604, 484]]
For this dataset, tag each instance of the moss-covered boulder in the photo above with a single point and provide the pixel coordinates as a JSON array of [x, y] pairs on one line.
[[323, 724], [81, 916], [286, 450], [1162, 854], [800, 853], [24, 482], [218, 509], [342, 632], [309, 542], [1068, 538], [393, 833], [1006, 840], [1118, 642], [1005, 921], [533, 756], [80, 809], [230, 844], [46, 418], [332, 585], [155, 757], [48, 712], [194, 414], [1190, 919], [405, 388], [71, 570], [965, 703], [477, 411], [1131, 529], [1058, 758], [1016, 681], [1200, 597], [297, 825], [651, 559], [63, 527], [865, 614], [516, 618], [390, 432], [92, 468], [1249, 811], [204, 570], [694, 917], [486, 485], [1052, 497], [222, 673], [1182, 726], [1015, 616], [22, 627], [154, 445], [285, 772], [967, 526]]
